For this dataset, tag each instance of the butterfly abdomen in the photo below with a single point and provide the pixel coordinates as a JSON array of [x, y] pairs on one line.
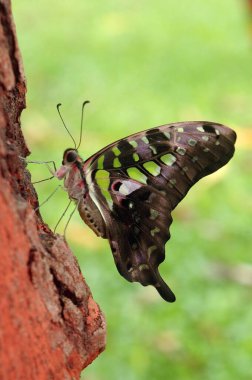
[[91, 215]]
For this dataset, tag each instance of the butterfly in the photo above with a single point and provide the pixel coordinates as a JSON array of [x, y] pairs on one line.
[[126, 192]]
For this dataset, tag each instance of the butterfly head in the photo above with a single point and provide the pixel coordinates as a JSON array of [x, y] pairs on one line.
[[71, 159], [70, 156]]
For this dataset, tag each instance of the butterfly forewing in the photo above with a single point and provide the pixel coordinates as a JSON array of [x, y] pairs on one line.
[[137, 181]]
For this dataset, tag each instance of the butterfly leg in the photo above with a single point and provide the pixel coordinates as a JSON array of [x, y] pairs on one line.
[[43, 180], [49, 197], [62, 216], [44, 163], [70, 217], [41, 162], [45, 201]]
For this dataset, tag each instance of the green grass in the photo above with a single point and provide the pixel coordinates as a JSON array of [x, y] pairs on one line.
[[144, 64]]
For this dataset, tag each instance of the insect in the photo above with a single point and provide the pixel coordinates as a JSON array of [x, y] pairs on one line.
[[126, 192]]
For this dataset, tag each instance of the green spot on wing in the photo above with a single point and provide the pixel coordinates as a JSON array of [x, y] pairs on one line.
[[205, 138], [153, 214], [100, 162], [143, 267], [151, 250], [181, 150], [116, 151], [167, 134], [116, 163], [168, 159], [145, 140], [153, 149], [133, 143], [152, 168], [135, 157], [155, 231], [102, 178], [200, 129], [137, 175], [192, 142], [180, 129]]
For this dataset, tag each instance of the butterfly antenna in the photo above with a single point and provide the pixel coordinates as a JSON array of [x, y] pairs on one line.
[[58, 106], [82, 113]]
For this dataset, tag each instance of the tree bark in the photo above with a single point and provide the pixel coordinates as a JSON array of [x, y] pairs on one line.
[[50, 326]]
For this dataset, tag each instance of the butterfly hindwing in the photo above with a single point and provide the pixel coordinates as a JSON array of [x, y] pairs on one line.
[[137, 181], [138, 237]]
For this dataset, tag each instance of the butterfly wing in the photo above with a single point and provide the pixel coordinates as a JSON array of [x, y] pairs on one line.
[[137, 181]]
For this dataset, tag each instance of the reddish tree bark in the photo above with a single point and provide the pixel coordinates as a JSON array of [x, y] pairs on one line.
[[50, 326]]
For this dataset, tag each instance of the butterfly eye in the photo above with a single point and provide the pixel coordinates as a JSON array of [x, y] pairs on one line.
[[71, 156]]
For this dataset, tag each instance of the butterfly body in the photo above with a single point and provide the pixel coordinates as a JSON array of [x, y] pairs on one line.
[[126, 191]]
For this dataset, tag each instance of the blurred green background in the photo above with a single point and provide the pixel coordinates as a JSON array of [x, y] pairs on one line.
[[143, 64]]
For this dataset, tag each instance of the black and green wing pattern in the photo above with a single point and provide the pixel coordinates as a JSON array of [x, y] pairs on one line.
[[136, 182]]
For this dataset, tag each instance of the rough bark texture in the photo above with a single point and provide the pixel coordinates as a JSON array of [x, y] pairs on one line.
[[50, 326]]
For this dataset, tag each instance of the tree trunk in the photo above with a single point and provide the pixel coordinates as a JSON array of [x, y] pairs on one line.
[[50, 326]]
